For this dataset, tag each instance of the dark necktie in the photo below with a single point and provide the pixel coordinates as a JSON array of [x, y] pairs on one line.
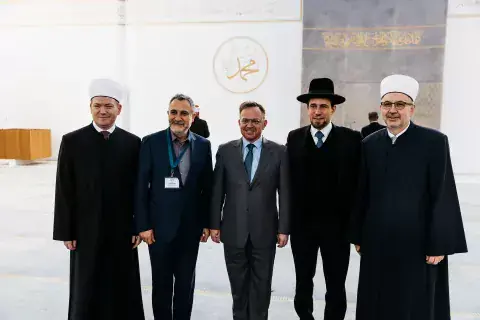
[[249, 161], [105, 134], [319, 136]]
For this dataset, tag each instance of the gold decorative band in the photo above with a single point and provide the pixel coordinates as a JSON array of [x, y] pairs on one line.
[[335, 40], [377, 38]]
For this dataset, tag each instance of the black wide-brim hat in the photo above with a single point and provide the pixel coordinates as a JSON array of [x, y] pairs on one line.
[[321, 88]]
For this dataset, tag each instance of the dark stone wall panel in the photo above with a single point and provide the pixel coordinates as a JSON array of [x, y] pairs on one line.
[[372, 13], [359, 42]]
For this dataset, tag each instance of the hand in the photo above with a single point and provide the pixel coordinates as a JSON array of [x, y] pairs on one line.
[[136, 240], [357, 247], [70, 245], [434, 260], [148, 236], [205, 235], [282, 240], [215, 235]]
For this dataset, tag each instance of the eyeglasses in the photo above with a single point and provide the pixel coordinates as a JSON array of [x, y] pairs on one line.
[[246, 121], [399, 105], [174, 112]]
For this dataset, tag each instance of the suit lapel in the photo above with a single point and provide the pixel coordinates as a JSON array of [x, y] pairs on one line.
[[239, 158], [308, 139], [194, 156], [265, 159], [94, 148]]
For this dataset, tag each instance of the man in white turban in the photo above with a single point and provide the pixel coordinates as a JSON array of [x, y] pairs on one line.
[[407, 219], [93, 214]]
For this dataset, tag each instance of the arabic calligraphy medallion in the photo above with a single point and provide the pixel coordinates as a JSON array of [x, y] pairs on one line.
[[240, 65]]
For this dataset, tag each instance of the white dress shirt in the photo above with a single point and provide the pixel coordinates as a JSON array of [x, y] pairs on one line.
[[325, 131], [100, 129], [257, 150], [395, 137]]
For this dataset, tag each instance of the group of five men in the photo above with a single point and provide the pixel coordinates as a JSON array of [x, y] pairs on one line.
[[392, 194]]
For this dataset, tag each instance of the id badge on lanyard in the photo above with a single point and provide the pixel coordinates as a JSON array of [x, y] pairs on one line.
[[173, 182]]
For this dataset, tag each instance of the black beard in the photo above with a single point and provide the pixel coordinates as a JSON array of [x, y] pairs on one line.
[[320, 127]]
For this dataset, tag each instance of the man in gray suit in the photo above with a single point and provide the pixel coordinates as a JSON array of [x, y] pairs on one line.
[[248, 174]]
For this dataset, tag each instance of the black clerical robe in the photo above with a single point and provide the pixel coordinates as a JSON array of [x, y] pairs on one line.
[[94, 205], [407, 209]]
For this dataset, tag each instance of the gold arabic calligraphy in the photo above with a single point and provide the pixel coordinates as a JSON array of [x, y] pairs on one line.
[[244, 71], [334, 40]]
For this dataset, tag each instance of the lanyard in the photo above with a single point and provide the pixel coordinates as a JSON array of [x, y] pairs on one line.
[[173, 164]]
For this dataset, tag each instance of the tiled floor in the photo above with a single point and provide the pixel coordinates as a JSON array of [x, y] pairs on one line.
[[34, 269]]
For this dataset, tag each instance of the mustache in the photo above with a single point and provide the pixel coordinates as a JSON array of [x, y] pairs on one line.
[[392, 116], [177, 122]]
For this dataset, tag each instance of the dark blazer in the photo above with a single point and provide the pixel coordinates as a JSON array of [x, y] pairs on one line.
[[346, 153], [251, 208], [371, 128], [166, 210], [200, 127]]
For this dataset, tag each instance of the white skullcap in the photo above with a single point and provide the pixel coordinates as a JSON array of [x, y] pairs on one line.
[[106, 88], [399, 83]]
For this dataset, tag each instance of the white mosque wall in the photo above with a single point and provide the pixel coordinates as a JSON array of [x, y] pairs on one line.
[[46, 72], [460, 106], [51, 49], [197, 48], [191, 59], [49, 52]]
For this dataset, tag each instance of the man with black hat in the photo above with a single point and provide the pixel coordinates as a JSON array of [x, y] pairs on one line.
[[324, 160], [94, 209], [407, 217]]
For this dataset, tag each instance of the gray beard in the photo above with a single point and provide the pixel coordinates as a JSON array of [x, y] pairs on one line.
[[181, 135]]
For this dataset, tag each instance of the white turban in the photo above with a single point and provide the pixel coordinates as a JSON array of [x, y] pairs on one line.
[[106, 88], [399, 83]]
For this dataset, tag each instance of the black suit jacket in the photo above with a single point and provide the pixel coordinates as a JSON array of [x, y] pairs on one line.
[[371, 128], [347, 146], [200, 127]]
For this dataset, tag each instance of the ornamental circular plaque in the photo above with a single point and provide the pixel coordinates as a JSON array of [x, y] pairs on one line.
[[240, 65]]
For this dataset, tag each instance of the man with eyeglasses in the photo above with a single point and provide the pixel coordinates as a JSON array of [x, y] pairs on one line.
[[324, 160], [249, 173], [172, 207], [407, 217]]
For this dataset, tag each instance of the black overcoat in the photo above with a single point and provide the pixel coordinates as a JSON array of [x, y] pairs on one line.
[[94, 205], [407, 209]]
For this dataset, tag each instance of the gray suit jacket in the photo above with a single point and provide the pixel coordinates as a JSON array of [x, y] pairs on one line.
[[251, 208]]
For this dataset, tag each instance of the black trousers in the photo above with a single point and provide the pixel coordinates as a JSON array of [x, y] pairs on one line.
[[173, 261], [335, 253], [250, 273]]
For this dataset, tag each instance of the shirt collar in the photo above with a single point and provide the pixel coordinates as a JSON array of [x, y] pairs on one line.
[[391, 135], [326, 130], [100, 129], [257, 143], [189, 136]]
